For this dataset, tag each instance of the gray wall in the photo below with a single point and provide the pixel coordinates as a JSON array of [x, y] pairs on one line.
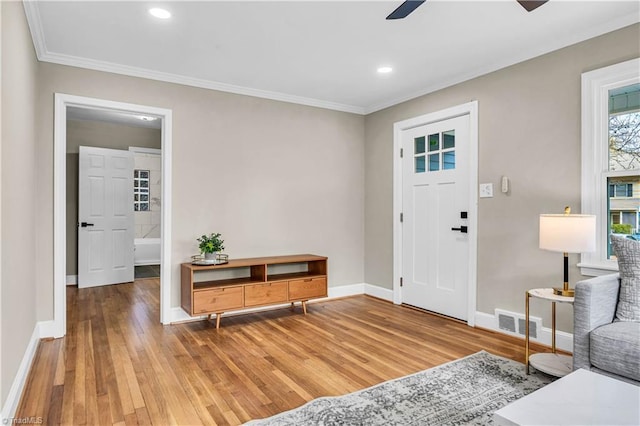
[[272, 177], [529, 130], [102, 135], [18, 201]]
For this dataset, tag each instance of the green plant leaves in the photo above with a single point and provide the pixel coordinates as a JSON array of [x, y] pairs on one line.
[[211, 243]]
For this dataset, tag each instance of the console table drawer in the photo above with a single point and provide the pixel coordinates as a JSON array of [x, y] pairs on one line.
[[217, 299], [265, 294], [307, 288]]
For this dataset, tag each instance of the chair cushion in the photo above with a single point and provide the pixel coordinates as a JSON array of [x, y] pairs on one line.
[[615, 348], [628, 253]]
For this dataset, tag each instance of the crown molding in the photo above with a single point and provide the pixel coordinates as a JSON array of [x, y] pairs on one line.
[[575, 38], [44, 55], [194, 82], [35, 26]]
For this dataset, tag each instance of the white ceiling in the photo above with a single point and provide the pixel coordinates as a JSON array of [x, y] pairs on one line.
[[322, 53], [113, 116]]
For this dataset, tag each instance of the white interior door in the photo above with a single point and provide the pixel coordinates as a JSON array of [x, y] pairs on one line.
[[435, 206], [105, 215]]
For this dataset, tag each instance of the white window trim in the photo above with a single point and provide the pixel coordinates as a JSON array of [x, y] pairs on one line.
[[595, 156]]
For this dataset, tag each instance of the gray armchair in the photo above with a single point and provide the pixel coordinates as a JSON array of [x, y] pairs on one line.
[[601, 344]]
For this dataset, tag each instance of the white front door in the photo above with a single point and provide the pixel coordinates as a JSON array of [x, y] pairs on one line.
[[105, 216], [435, 206]]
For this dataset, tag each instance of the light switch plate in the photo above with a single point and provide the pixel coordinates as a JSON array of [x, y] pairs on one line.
[[486, 190]]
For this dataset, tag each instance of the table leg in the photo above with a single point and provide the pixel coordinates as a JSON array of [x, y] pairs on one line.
[[218, 315], [304, 307], [526, 332], [553, 327]]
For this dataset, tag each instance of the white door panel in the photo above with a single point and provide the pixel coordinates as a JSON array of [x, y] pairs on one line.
[[105, 214], [435, 192]]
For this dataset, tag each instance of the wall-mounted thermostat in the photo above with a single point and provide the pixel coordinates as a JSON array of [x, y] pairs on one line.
[[504, 184]]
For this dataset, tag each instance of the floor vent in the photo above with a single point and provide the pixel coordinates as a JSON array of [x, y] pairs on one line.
[[514, 323], [533, 328], [507, 323]]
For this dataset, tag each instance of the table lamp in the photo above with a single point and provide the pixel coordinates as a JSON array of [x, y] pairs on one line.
[[567, 233]]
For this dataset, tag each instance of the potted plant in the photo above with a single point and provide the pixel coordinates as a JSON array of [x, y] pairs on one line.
[[210, 245]]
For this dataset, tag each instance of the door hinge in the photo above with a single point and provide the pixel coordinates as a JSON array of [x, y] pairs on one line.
[[401, 217], [401, 152], [400, 281]]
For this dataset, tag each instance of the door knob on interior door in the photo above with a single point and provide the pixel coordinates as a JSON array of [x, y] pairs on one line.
[[462, 229], [85, 224]]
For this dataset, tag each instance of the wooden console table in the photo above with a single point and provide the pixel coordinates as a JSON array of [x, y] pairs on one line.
[[254, 282]]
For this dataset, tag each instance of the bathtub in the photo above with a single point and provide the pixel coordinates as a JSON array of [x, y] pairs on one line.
[[147, 251]]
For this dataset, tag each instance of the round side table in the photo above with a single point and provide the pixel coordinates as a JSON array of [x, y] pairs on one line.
[[551, 363]]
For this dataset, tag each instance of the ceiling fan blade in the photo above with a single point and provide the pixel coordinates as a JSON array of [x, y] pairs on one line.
[[531, 4], [405, 9]]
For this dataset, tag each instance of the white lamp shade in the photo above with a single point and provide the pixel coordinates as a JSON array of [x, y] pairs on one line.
[[573, 233]]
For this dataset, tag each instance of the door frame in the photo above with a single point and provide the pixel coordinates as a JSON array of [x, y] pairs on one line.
[[470, 109], [62, 101]]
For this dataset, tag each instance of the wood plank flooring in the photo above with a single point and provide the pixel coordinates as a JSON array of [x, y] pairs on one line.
[[118, 365]]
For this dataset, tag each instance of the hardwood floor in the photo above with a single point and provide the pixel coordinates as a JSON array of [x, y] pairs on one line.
[[118, 365]]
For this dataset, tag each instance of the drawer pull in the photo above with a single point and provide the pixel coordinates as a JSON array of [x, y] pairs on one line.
[[308, 280]]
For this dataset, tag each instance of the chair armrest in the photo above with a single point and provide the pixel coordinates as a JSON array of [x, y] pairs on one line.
[[595, 305]]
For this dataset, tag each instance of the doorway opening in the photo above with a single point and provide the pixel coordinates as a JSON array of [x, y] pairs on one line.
[[69, 106]]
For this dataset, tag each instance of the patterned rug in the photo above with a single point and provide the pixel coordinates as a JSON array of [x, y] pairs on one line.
[[463, 392]]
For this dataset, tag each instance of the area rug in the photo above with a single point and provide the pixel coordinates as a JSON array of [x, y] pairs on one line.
[[463, 392]]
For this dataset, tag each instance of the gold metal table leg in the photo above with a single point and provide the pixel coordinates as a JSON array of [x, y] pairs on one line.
[[553, 327], [526, 332]]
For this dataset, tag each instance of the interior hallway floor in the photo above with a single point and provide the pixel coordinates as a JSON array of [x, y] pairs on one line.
[[147, 271]]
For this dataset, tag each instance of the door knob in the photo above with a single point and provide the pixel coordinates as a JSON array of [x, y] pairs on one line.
[[462, 229], [85, 224]]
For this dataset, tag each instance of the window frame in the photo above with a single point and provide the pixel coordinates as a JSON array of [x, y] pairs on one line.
[[139, 190], [596, 85]]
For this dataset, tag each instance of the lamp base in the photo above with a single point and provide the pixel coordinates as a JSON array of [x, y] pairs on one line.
[[567, 292]]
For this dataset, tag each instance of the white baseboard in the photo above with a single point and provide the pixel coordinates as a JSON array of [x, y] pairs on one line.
[[72, 279], [345, 291], [564, 340], [20, 380], [46, 329], [379, 292], [179, 315]]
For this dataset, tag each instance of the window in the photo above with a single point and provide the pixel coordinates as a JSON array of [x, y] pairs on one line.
[[611, 158], [441, 153], [617, 190], [141, 190]]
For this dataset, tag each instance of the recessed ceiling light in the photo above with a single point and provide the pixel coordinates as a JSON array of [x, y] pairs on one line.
[[384, 70], [160, 13]]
